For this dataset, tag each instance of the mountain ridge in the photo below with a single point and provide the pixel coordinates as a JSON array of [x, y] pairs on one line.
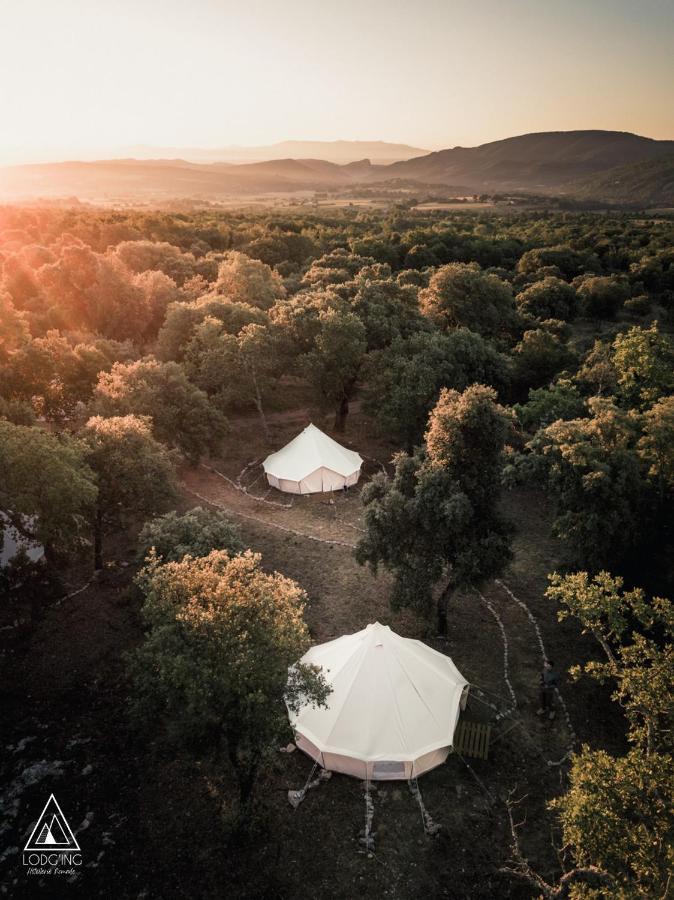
[[548, 163], [539, 160], [340, 152]]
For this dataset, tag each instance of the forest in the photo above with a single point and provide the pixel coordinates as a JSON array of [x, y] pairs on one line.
[[507, 376]]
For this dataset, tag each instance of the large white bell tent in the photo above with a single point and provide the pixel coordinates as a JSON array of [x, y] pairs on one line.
[[393, 709], [311, 463]]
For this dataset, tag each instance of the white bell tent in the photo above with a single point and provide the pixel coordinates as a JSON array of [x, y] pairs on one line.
[[312, 463], [393, 709]]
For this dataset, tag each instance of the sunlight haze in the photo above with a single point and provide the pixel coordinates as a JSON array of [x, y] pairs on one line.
[[90, 79]]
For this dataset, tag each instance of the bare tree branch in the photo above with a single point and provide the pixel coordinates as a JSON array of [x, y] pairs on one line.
[[590, 875]]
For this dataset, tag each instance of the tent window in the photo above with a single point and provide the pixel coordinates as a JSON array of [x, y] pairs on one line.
[[388, 768]]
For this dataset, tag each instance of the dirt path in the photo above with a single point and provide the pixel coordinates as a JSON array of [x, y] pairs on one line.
[[343, 595]]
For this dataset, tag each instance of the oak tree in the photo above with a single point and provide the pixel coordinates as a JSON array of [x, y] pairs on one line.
[[437, 519]]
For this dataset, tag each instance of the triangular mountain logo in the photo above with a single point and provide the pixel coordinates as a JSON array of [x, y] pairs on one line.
[[52, 831]]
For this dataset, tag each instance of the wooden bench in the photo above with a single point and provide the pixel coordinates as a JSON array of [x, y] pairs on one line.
[[472, 739]]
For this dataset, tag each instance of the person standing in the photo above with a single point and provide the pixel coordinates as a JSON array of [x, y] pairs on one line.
[[549, 680]]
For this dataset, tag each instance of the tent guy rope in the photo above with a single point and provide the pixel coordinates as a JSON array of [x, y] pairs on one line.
[[296, 797], [560, 700], [506, 667], [431, 827], [242, 489], [368, 839], [236, 512], [509, 712]]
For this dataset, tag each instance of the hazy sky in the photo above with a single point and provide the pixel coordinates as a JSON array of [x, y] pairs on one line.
[[81, 77]]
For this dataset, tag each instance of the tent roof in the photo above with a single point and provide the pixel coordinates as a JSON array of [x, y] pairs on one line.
[[309, 451], [392, 698]]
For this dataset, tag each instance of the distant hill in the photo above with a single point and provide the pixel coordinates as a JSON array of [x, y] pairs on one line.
[[532, 162], [339, 152], [303, 171], [647, 183], [605, 165], [144, 179]]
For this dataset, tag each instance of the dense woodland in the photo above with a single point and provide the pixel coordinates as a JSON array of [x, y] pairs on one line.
[[488, 350]]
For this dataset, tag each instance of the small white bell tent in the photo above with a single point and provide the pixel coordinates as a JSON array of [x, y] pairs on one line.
[[393, 709], [312, 463]]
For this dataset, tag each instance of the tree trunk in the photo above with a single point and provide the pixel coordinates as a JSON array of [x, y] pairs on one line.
[[98, 540], [246, 779], [605, 646], [341, 413], [443, 603], [50, 553], [258, 405], [245, 773]]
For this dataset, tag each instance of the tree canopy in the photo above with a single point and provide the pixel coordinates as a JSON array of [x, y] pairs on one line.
[[403, 381], [48, 490], [617, 813], [134, 472], [194, 533], [333, 364], [181, 414], [245, 280], [222, 634], [550, 298], [460, 294]]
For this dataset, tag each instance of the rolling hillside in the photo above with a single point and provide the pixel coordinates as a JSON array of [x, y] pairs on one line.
[[647, 183], [602, 165], [532, 162], [165, 178]]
